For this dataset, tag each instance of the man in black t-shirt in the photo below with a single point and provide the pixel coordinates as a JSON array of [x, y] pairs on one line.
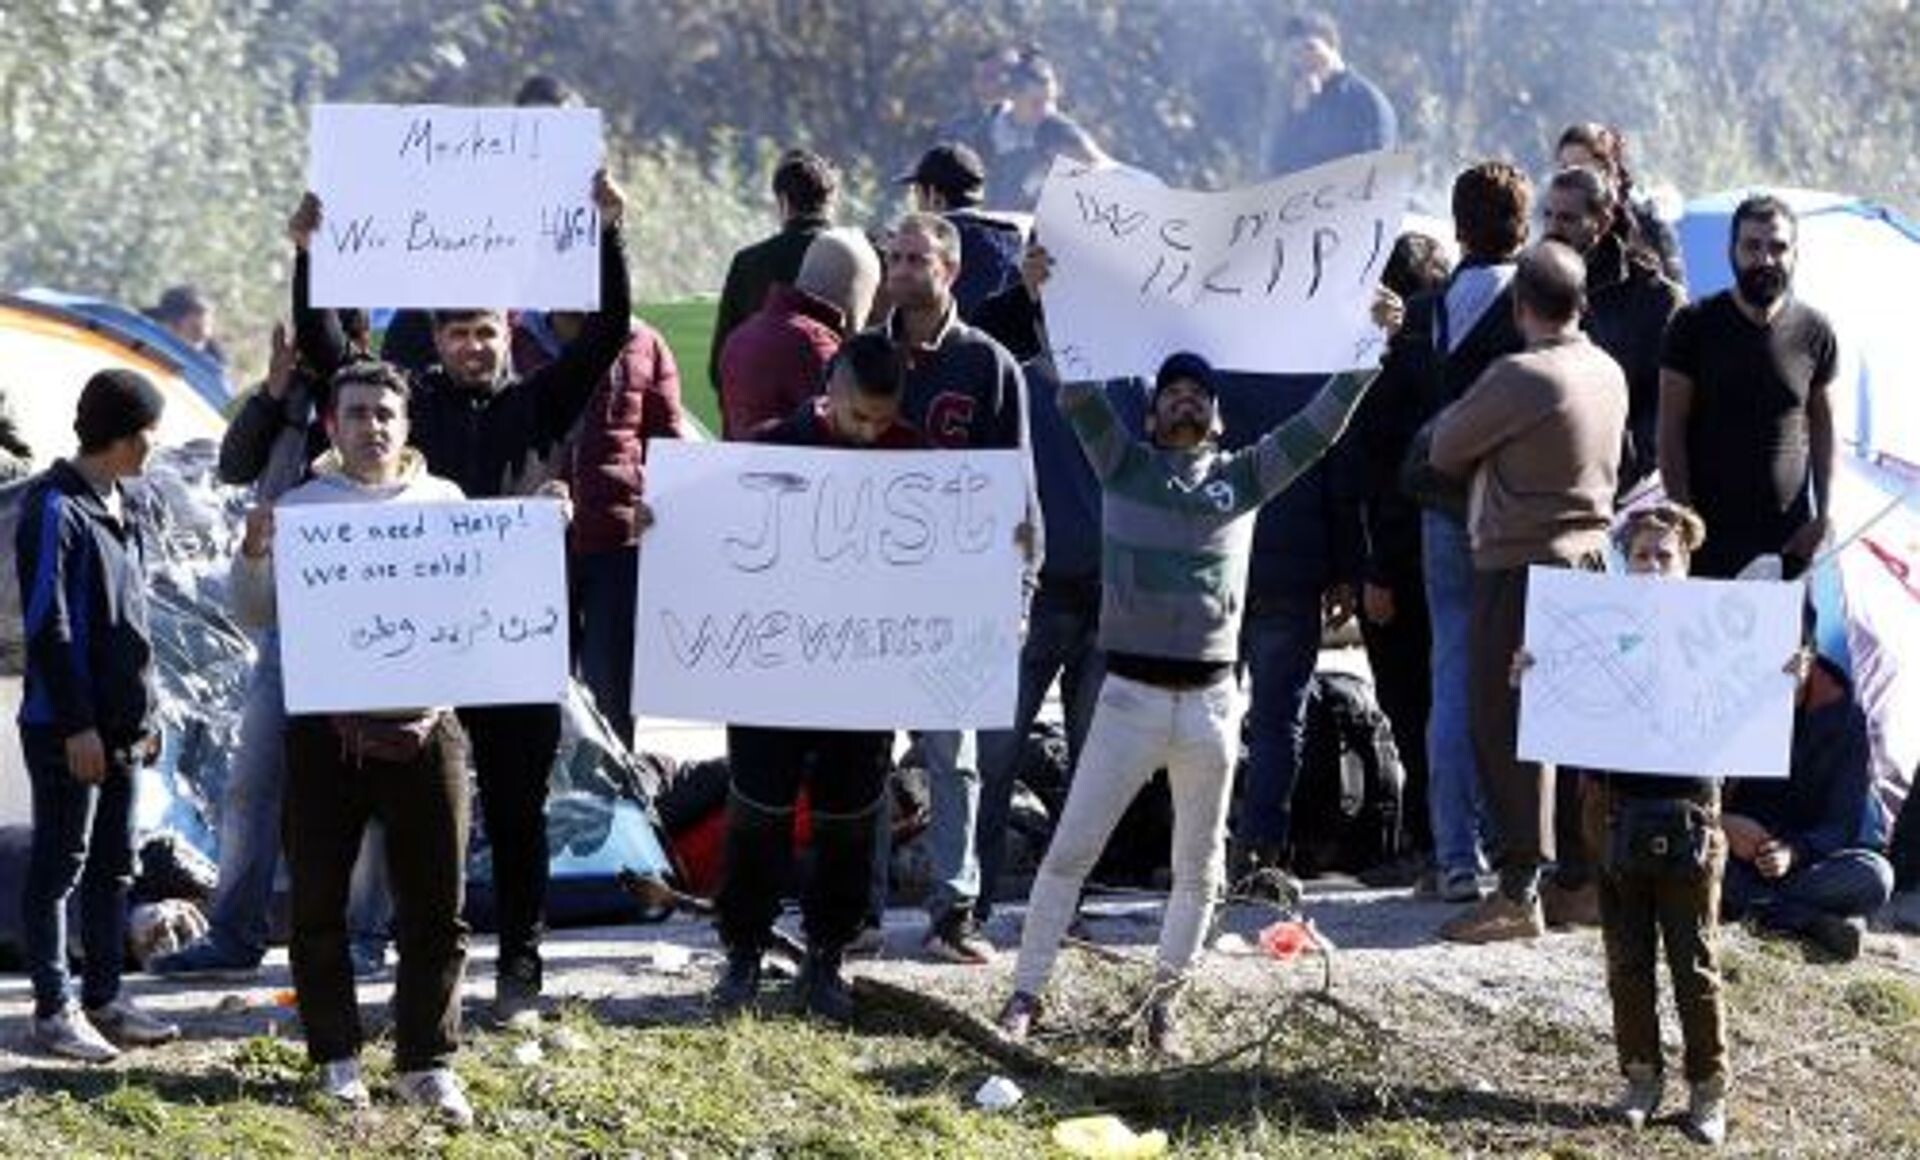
[[1746, 425]]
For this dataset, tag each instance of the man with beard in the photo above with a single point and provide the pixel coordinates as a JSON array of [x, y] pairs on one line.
[[1629, 300], [1746, 426], [963, 390]]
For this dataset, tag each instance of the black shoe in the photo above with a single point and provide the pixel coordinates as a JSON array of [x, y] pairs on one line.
[[739, 985], [1839, 937], [824, 991]]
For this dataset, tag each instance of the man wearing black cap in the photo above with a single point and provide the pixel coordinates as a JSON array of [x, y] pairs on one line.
[[949, 180], [1177, 530], [86, 715]]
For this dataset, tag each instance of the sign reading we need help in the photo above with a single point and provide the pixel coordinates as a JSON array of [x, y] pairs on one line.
[[803, 587], [1275, 278], [434, 206], [1633, 674], [411, 605]]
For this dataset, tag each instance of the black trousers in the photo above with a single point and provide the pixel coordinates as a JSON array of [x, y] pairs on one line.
[[845, 775], [423, 804], [1399, 652], [513, 751]]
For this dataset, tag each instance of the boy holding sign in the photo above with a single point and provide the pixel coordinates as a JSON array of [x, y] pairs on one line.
[[407, 768]]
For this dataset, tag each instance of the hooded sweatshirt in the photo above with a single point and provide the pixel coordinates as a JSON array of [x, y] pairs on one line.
[[250, 581]]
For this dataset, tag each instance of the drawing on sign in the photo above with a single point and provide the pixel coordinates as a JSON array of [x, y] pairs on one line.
[[1597, 661]]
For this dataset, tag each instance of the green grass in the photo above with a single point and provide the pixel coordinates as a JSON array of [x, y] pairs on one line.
[[687, 325]]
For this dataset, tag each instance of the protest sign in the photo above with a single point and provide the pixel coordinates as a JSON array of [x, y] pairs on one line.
[[435, 206], [791, 586], [1277, 277], [408, 605], [1639, 675]]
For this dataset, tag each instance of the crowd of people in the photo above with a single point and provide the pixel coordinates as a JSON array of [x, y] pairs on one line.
[[1201, 530]]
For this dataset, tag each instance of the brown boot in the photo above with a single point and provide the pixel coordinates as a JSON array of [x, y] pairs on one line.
[[1496, 919], [1561, 907]]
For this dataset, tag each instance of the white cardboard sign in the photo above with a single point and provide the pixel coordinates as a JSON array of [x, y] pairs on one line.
[[410, 605], [1277, 277], [437, 206], [807, 587], [1635, 674]]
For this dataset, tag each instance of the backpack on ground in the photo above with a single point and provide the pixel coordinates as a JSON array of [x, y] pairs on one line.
[[1346, 803]]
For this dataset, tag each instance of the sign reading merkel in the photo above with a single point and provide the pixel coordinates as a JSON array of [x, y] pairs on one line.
[[1274, 278], [804, 587], [434, 206]]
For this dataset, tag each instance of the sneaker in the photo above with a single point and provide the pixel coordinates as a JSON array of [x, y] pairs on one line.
[[68, 1034], [129, 1026], [1017, 1018], [870, 943], [516, 986], [1839, 937], [1163, 1026], [1563, 907], [341, 1082], [203, 960], [1904, 911], [955, 938], [1497, 919], [824, 990], [1460, 886], [739, 985], [369, 961], [1641, 1100], [438, 1090], [1707, 1111]]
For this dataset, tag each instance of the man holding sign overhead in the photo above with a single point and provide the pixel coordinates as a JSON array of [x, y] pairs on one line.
[[407, 768], [479, 425]]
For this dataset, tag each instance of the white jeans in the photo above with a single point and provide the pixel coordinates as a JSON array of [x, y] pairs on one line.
[[1138, 728]]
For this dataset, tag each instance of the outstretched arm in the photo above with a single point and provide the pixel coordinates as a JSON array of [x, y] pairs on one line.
[[1283, 453]]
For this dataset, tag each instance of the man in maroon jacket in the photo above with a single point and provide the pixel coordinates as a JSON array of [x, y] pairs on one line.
[[603, 463]]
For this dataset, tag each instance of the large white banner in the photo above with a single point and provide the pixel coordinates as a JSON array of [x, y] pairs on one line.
[[1639, 675], [437, 206], [406, 605], [1276, 277], [805, 587]]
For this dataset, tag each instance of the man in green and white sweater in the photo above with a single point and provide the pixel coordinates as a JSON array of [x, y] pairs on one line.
[[1177, 517]]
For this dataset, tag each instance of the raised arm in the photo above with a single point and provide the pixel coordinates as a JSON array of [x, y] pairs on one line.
[[562, 388], [1097, 425], [1283, 453], [317, 334]]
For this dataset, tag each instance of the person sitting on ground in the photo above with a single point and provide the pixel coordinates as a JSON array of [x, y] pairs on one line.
[[1800, 863], [408, 769], [86, 714], [845, 771], [1178, 515], [1663, 857]]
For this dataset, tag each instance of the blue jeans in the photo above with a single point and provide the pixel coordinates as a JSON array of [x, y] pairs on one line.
[[1280, 642], [1453, 777], [953, 807], [82, 836], [1849, 883], [250, 807], [1062, 629], [604, 590]]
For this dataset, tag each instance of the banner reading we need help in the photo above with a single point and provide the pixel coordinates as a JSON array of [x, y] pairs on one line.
[[1276, 278], [436, 206], [412, 605], [804, 587]]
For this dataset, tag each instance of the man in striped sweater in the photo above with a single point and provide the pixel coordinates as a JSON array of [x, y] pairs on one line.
[[1177, 517]]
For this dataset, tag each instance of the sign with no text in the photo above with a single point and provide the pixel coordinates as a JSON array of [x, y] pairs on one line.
[[1275, 278], [804, 587], [1638, 675], [411, 605], [435, 206]]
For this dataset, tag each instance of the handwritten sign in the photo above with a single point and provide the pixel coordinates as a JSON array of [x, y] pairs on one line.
[[1270, 278], [789, 586], [404, 605], [435, 206], [1639, 675]]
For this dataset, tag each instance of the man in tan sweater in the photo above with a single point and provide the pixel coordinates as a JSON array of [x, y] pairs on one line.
[[1540, 435]]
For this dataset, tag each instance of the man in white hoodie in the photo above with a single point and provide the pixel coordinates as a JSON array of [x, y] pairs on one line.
[[407, 768]]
